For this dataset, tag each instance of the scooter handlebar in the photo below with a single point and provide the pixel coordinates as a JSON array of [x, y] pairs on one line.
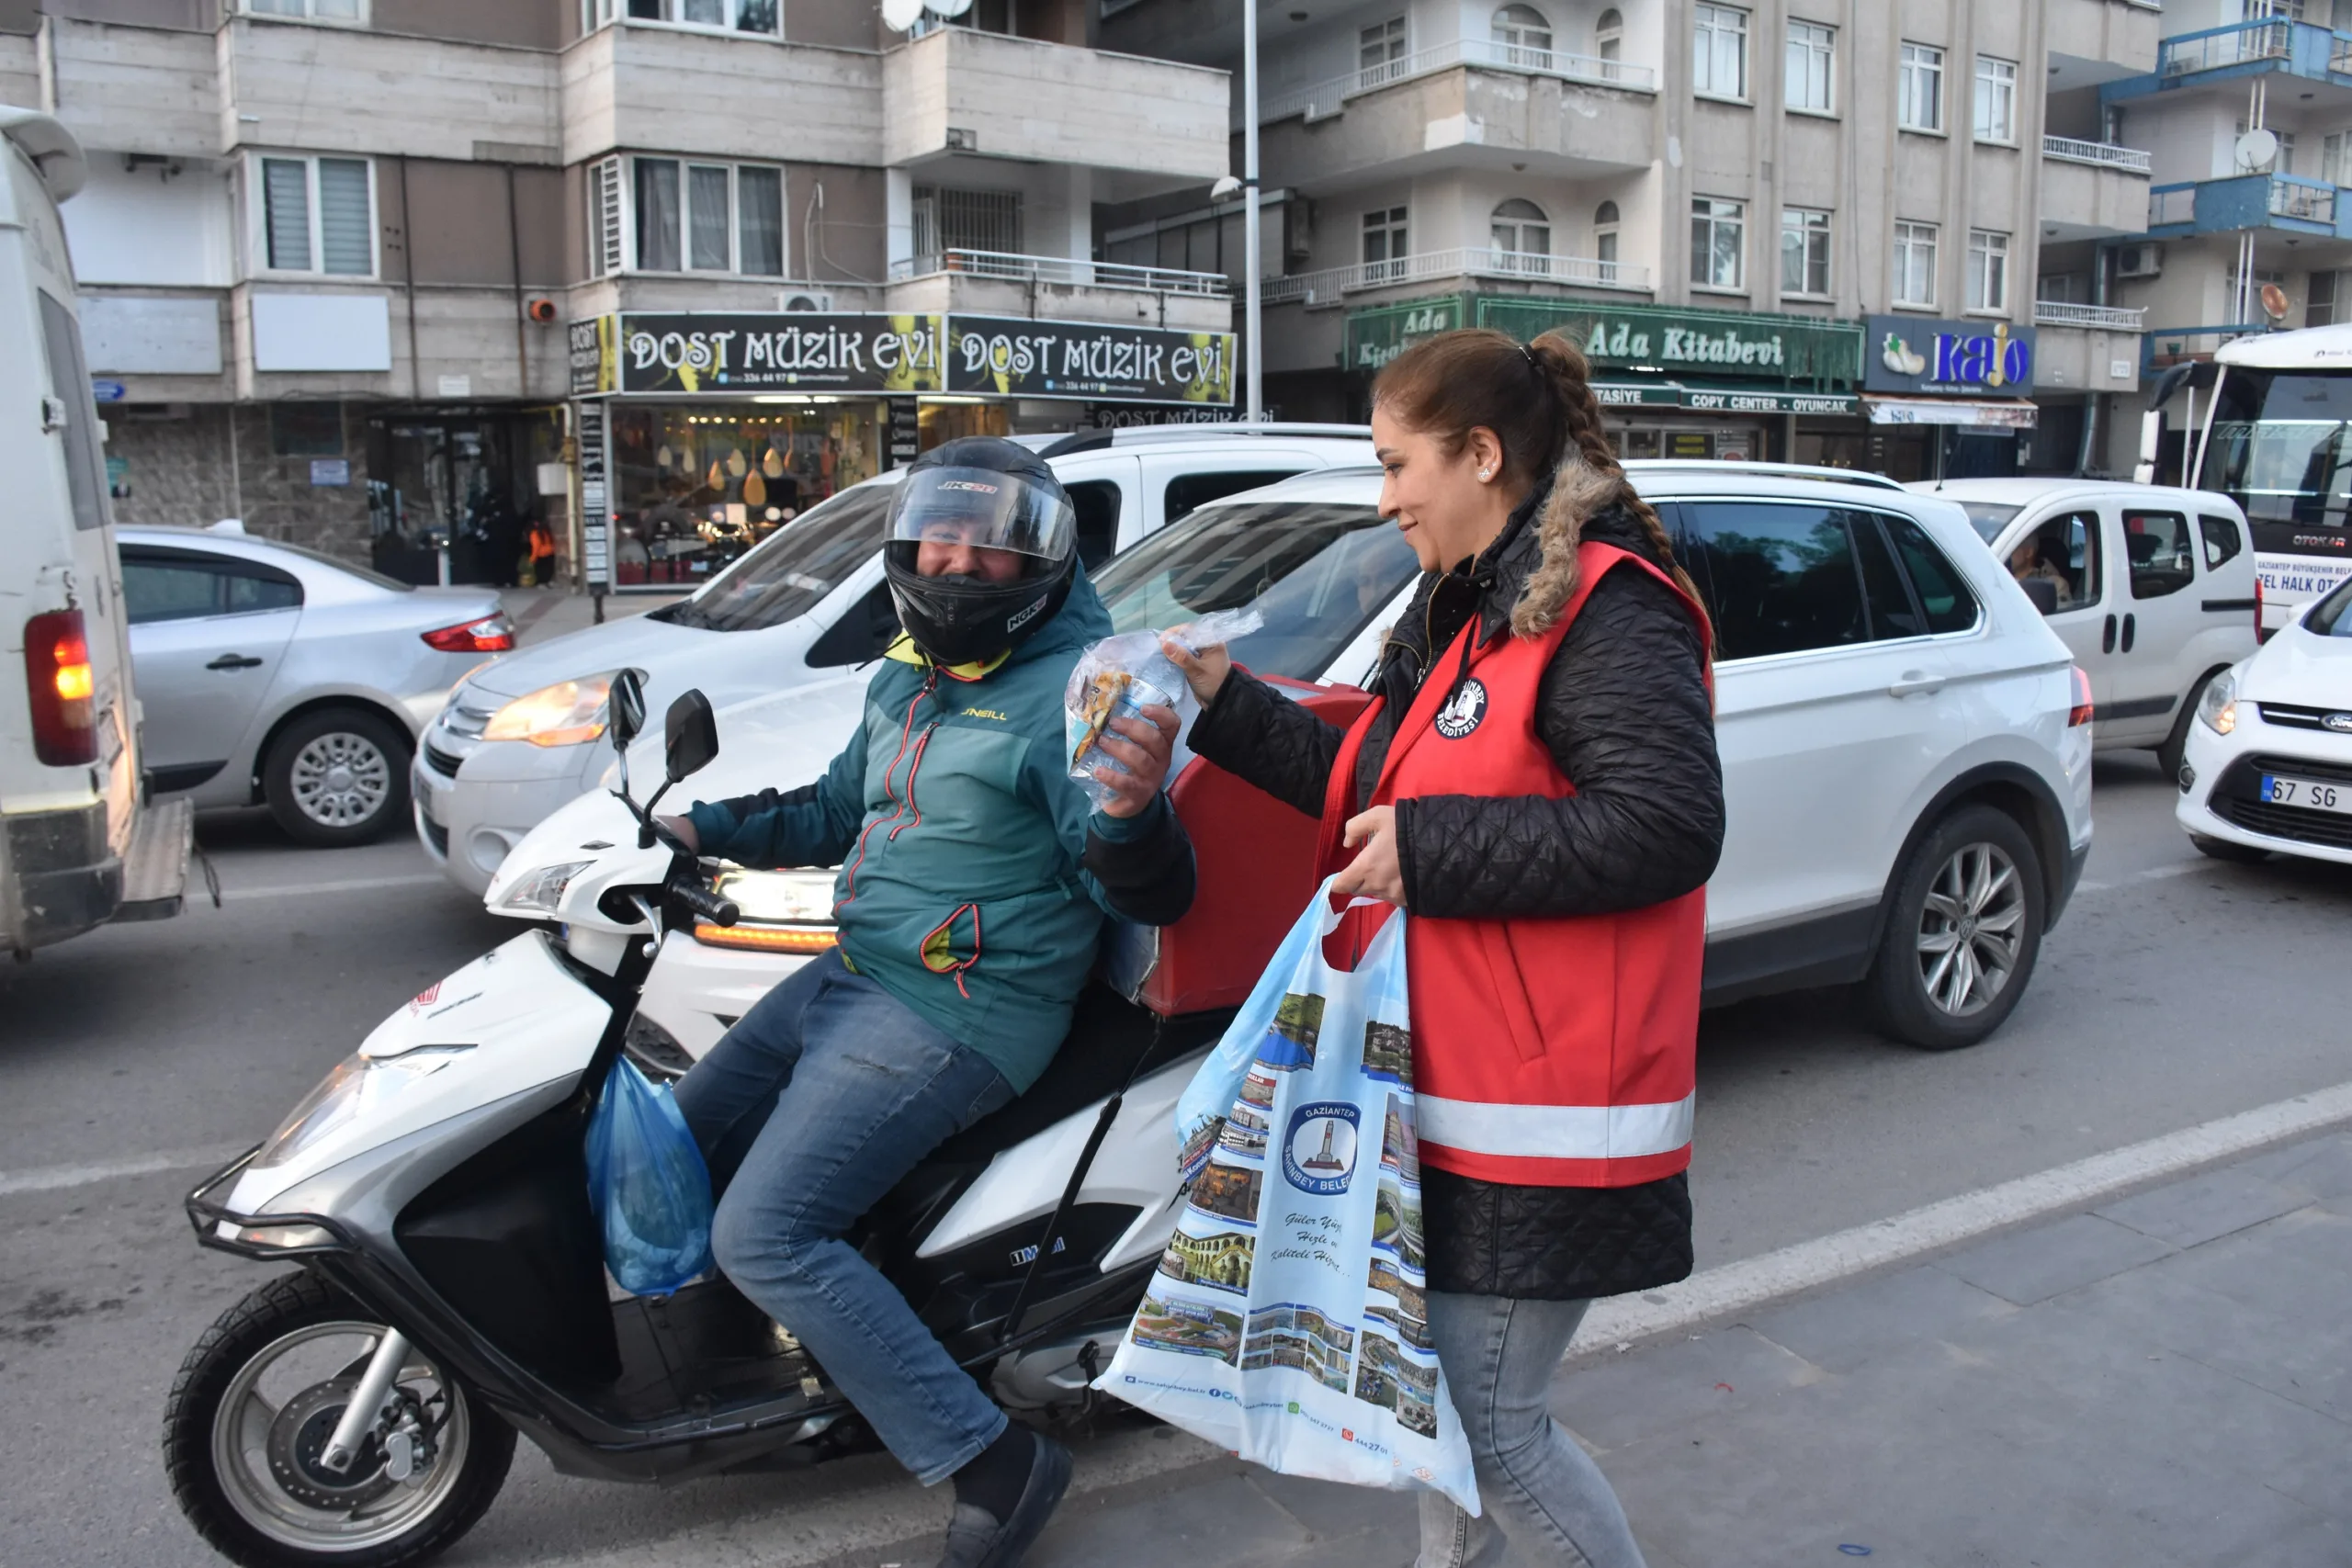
[[704, 904]]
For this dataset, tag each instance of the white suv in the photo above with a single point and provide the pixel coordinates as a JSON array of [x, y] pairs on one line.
[[515, 740], [1905, 745]]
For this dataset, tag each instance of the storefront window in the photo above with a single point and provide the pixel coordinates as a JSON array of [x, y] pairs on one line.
[[695, 486]]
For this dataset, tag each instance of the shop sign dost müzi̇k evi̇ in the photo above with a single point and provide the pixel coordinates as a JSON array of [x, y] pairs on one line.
[[811, 352]]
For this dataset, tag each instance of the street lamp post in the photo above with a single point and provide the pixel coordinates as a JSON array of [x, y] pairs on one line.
[[1252, 321]]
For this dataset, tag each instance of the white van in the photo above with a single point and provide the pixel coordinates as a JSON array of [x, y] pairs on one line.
[[77, 846]]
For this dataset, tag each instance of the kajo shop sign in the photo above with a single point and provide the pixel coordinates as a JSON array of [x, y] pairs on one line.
[[1964, 359]]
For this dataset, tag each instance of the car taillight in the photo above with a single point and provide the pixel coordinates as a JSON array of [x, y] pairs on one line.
[[63, 689], [494, 634], [2260, 636], [2081, 712]]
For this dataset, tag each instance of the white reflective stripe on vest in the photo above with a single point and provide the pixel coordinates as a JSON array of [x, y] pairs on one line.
[[1556, 1132]]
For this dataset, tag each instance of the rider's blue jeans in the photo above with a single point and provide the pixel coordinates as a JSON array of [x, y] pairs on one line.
[[813, 1106]]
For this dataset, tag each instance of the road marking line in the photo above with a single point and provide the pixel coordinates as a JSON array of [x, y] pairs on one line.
[[2154, 874], [349, 885], [1737, 1287], [50, 1179]]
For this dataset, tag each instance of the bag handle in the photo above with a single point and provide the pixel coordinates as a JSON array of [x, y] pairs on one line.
[[1348, 927]]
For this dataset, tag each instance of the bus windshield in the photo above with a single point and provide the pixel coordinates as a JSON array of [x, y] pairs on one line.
[[2282, 447]]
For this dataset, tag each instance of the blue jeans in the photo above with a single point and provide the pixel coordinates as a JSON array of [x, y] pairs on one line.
[[810, 1110], [1545, 1501]]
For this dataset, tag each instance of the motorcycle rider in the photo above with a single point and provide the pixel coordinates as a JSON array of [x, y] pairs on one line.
[[975, 877]]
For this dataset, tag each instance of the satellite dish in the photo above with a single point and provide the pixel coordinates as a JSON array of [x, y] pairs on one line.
[[2274, 302], [900, 15], [950, 7], [2256, 148]]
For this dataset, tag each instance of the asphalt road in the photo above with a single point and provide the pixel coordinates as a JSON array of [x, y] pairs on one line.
[[2177, 991]]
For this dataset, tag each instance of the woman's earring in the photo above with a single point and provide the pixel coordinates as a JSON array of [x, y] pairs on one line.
[[1485, 474]]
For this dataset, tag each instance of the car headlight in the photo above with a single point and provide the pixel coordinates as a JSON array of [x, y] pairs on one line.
[[358, 1084], [562, 715], [542, 890], [2219, 706], [784, 911]]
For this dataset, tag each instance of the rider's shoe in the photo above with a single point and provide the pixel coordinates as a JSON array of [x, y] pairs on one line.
[[977, 1539]]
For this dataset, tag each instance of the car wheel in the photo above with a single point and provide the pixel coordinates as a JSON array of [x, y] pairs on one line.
[[1963, 933], [2174, 749], [336, 777], [2223, 848]]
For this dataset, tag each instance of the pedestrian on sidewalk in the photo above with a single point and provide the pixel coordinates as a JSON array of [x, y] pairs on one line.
[[542, 552], [1536, 783]]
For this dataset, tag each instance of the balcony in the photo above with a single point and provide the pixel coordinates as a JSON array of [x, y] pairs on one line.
[[957, 91], [348, 90], [2098, 154], [1001, 283], [2217, 56], [2105, 318], [2093, 191], [1330, 286], [661, 89], [1325, 98], [2288, 203], [2099, 351]]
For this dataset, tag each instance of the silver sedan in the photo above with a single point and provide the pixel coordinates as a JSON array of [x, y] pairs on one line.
[[275, 675]]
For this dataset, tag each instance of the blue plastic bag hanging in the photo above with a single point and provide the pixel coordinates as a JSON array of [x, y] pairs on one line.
[[652, 1191]]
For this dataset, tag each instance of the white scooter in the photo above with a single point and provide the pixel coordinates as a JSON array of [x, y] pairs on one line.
[[451, 1289]]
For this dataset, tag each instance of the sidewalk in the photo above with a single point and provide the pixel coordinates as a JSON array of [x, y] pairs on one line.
[[2166, 1379], [542, 615]]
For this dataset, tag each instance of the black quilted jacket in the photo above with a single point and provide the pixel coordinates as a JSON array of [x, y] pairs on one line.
[[1624, 710]]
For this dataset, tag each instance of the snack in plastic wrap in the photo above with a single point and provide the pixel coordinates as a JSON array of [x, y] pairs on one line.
[[1120, 676]]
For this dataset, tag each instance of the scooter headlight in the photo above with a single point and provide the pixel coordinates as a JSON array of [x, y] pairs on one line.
[[542, 890], [357, 1085]]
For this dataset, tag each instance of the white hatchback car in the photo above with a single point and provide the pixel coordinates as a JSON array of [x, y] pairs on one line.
[[1905, 744], [2154, 590], [807, 602], [2269, 759]]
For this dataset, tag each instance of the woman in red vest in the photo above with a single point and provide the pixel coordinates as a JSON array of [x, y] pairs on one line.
[[1536, 783]]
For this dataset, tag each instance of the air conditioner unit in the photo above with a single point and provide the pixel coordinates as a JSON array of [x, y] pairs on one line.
[[805, 299], [2139, 261]]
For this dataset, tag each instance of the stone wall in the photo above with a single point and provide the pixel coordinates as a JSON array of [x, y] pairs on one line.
[[221, 462]]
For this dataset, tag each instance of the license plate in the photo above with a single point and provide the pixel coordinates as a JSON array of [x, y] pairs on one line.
[[2309, 794]]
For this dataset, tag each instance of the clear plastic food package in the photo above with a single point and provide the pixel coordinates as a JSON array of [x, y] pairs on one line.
[[1122, 675]]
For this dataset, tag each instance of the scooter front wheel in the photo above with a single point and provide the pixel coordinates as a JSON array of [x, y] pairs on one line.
[[250, 1415]]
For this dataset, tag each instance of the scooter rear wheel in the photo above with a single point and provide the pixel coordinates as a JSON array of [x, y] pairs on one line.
[[253, 1406]]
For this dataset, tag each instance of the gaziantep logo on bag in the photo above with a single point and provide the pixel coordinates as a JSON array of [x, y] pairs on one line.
[[1320, 1150], [1461, 716]]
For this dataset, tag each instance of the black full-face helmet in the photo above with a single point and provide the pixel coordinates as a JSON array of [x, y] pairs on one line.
[[992, 503]]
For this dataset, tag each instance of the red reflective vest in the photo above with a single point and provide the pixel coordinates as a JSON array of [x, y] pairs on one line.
[[1546, 1053]]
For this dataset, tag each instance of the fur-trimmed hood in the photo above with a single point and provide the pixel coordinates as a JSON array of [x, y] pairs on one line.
[[1555, 520]]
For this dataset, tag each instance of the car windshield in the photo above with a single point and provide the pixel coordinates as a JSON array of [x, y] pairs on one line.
[[2332, 617], [792, 568], [1317, 571], [1988, 517]]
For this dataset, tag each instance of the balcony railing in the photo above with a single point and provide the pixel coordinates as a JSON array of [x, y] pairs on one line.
[[2226, 206], [2270, 37], [2307, 199], [2113, 318], [1065, 270], [1324, 287], [2106, 154], [1324, 99]]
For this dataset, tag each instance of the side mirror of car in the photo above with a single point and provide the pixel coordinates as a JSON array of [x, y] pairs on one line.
[[690, 735], [626, 720], [2043, 592]]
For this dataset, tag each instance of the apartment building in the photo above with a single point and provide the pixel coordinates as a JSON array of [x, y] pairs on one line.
[[1868, 232], [390, 276], [2248, 117]]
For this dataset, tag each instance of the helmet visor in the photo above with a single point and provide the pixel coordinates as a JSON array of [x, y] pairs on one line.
[[982, 509]]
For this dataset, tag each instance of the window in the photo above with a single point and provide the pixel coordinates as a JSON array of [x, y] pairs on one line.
[[1524, 35], [1187, 491], [1941, 591], [1096, 502], [175, 585], [1522, 236], [2318, 300], [310, 10], [2063, 552], [1997, 100], [1718, 242], [1380, 51], [305, 429], [607, 218], [2224, 540], [1384, 243], [69, 382], [2063, 288], [1886, 597], [1784, 577], [2162, 559], [1919, 88], [950, 218], [1813, 52], [1608, 34], [1988, 270], [761, 17], [1915, 264], [709, 218], [1719, 52], [1805, 250], [318, 216], [1604, 239], [2335, 158]]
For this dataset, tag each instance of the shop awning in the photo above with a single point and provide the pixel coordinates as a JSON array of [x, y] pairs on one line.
[[2002, 414]]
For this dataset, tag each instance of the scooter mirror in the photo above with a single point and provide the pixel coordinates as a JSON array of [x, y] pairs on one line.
[[627, 701], [690, 736]]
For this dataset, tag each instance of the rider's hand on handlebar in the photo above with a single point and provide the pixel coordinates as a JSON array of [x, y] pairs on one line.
[[1145, 749], [682, 830], [1203, 671]]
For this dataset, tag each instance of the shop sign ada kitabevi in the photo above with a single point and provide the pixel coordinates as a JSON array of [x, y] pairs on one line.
[[1949, 358]]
